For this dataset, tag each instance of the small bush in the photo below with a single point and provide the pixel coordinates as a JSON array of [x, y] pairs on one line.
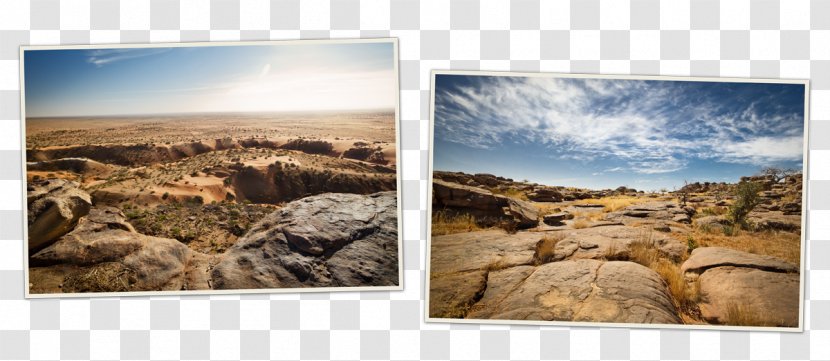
[[545, 248], [165, 195], [746, 198]]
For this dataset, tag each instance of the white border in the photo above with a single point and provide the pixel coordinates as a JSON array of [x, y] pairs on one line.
[[395, 48], [805, 183]]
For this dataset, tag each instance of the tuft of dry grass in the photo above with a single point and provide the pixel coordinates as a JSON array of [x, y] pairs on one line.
[[743, 314], [497, 265], [580, 223], [510, 192], [103, 277], [545, 248], [615, 203], [445, 223]]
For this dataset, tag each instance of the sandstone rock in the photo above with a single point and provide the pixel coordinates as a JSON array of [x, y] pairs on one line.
[[613, 242], [103, 242], [661, 227], [745, 289], [54, 207], [481, 250], [711, 221], [524, 213], [742, 296], [791, 208], [456, 195], [705, 258], [452, 295], [555, 219], [582, 290], [545, 195], [682, 218], [332, 240]]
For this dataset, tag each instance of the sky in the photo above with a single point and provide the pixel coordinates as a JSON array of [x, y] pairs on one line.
[[606, 133], [249, 78]]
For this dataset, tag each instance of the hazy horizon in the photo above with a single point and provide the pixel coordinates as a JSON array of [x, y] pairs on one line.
[[139, 115], [606, 133], [290, 77]]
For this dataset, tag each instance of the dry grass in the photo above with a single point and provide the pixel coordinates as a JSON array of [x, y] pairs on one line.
[[509, 192], [103, 277], [580, 223], [591, 216], [445, 223], [497, 265], [615, 203], [546, 208], [545, 248], [743, 314], [784, 245]]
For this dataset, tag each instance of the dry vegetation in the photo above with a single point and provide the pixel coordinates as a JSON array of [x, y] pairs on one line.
[[616, 203], [444, 222], [545, 248]]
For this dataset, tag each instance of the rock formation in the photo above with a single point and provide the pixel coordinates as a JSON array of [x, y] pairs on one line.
[[328, 240], [54, 207]]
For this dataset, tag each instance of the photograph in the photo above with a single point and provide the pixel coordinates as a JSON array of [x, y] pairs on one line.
[[221, 167], [619, 201]]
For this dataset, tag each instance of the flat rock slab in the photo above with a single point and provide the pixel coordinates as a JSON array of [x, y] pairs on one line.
[[469, 251], [451, 295], [705, 258], [613, 242], [580, 290], [327, 240], [744, 289], [763, 298]]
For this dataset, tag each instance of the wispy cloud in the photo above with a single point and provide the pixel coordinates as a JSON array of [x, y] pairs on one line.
[[646, 127], [101, 57]]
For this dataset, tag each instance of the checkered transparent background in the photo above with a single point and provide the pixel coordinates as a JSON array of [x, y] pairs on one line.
[[736, 38]]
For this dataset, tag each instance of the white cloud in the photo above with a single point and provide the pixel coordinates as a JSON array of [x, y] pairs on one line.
[[652, 128]]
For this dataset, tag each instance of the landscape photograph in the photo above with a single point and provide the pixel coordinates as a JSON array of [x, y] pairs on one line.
[[617, 201], [212, 167]]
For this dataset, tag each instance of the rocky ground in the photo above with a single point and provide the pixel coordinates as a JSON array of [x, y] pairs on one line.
[[301, 208], [503, 249]]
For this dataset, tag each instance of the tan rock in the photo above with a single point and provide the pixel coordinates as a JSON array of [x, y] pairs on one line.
[[581, 290], [54, 207]]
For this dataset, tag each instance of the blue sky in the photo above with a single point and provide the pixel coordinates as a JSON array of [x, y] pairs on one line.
[[604, 133], [293, 77]]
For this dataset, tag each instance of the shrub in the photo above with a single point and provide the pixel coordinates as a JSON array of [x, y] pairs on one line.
[[746, 198], [545, 248], [165, 195]]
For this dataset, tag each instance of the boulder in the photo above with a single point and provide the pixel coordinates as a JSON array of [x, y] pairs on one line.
[[580, 290], [327, 240], [111, 256], [661, 227], [450, 194], [744, 289], [54, 207], [682, 218], [524, 214], [555, 219], [545, 195]]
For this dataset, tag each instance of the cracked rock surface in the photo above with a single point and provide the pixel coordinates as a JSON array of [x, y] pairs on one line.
[[327, 240]]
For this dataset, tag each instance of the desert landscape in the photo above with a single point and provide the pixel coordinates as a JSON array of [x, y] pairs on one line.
[[203, 202], [196, 167], [652, 202]]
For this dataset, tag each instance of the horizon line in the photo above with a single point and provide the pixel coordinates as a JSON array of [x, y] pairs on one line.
[[310, 111]]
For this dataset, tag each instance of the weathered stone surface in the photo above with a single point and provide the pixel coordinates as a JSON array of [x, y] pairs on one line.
[[483, 204], [104, 241], [332, 240], [451, 295], [705, 258], [54, 207], [524, 213], [461, 252], [613, 242], [545, 195], [729, 294], [582, 290], [555, 219], [450, 194]]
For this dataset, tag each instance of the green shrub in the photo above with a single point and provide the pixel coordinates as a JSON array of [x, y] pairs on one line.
[[746, 198]]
